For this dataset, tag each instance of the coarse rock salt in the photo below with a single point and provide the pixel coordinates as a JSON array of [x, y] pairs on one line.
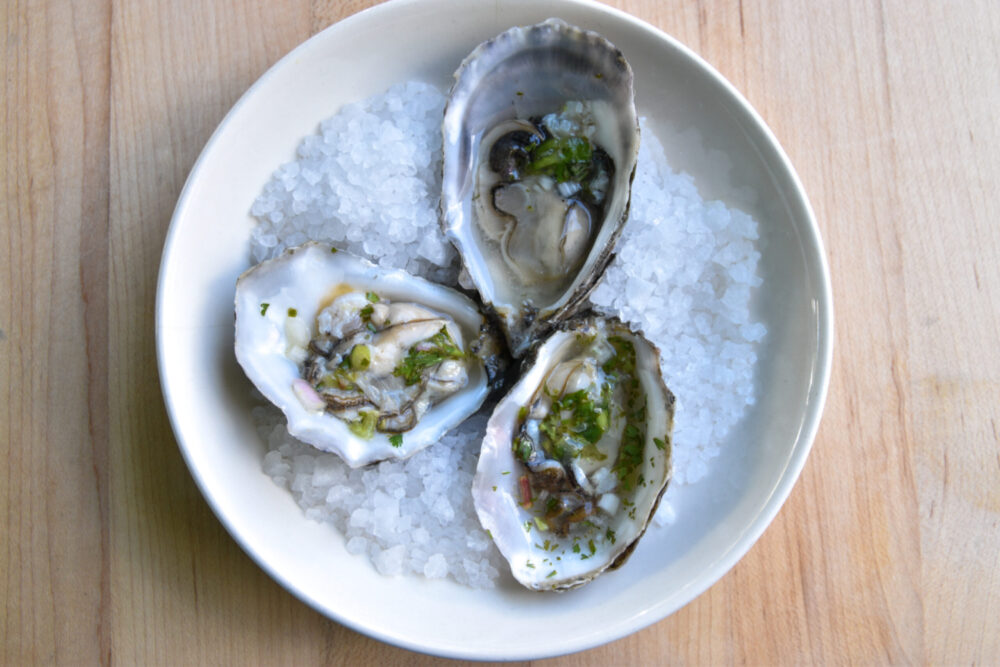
[[684, 272]]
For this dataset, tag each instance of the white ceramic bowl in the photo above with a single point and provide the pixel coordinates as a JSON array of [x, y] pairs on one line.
[[708, 130]]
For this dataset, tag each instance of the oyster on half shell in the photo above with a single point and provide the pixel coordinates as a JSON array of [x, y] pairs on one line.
[[366, 362], [577, 455], [540, 142]]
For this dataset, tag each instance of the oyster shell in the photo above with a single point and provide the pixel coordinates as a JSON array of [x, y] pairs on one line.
[[366, 362], [577, 455], [540, 142]]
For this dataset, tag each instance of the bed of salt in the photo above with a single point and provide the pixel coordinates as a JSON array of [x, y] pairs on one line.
[[684, 272]]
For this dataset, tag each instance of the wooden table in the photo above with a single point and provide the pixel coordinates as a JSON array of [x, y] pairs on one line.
[[888, 549]]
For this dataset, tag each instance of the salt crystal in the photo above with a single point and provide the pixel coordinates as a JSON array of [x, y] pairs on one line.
[[390, 561], [369, 183], [436, 567]]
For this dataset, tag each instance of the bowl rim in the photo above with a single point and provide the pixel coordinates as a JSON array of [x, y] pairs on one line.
[[812, 245]]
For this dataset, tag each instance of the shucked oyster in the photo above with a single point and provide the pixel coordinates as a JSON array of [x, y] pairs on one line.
[[577, 455], [540, 144], [365, 362]]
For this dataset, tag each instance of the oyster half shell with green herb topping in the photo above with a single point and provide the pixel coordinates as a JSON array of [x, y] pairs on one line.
[[367, 362], [577, 455], [540, 140]]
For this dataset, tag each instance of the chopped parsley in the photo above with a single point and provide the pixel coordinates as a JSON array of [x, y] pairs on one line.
[[523, 448], [623, 367], [366, 312], [333, 250], [292, 312], [264, 307], [396, 440], [562, 158], [372, 296], [574, 424], [427, 354]]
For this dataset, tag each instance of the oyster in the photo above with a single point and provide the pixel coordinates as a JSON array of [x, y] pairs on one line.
[[365, 362], [540, 143], [577, 455]]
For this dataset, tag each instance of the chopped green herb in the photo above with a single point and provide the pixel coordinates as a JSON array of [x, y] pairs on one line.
[[366, 312], [562, 158], [522, 448], [540, 522], [530, 564], [522, 413], [427, 354], [333, 250], [609, 535], [660, 444], [550, 574], [372, 296], [593, 549], [574, 424], [396, 440], [576, 547], [494, 487], [264, 307], [622, 365], [292, 312]]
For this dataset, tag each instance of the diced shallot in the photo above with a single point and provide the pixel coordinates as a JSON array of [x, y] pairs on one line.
[[525, 491], [307, 396], [609, 503]]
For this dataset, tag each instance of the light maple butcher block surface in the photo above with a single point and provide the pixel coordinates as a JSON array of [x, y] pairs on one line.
[[888, 549]]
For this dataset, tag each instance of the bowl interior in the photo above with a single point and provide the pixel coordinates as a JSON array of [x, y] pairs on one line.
[[708, 131]]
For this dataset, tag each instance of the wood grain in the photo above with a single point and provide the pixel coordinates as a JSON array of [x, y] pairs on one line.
[[888, 550]]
